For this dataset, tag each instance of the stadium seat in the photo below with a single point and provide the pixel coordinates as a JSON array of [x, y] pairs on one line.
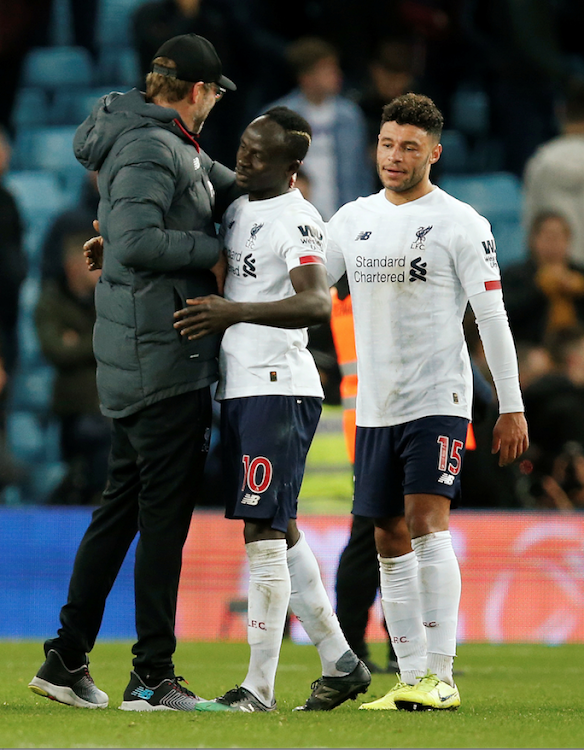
[[40, 197], [498, 197], [494, 195], [454, 156], [118, 65], [25, 436], [31, 107], [470, 111], [511, 240], [35, 190], [49, 147], [114, 22], [52, 68], [72, 107], [32, 387]]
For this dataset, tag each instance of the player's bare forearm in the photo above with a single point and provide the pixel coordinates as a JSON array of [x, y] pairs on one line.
[[213, 314], [510, 437]]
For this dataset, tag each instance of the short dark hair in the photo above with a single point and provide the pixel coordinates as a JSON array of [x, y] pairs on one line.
[[414, 109], [561, 342], [298, 130], [540, 219]]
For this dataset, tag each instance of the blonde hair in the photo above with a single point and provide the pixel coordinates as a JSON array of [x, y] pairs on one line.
[[166, 87]]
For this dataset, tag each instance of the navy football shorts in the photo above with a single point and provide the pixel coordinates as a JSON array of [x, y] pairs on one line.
[[264, 443], [422, 456]]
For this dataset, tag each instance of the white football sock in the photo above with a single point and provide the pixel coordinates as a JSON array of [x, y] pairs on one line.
[[311, 605], [440, 587], [400, 599], [268, 599]]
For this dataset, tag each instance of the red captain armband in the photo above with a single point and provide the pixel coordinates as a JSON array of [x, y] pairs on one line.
[[492, 285], [305, 259]]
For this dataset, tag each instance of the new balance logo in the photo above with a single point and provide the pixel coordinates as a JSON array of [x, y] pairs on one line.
[[363, 236], [446, 479], [249, 268], [142, 692], [250, 499], [418, 270]]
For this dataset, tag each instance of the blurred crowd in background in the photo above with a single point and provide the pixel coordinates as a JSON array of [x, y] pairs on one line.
[[509, 78]]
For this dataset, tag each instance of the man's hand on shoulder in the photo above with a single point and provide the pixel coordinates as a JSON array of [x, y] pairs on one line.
[[510, 438], [206, 315]]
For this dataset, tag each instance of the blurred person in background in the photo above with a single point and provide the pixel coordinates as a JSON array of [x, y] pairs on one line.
[[554, 175], [21, 25], [337, 163], [13, 270], [77, 218], [65, 316], [392, 70], [13, 263], [522, 59], [545, 292], [553, 466]]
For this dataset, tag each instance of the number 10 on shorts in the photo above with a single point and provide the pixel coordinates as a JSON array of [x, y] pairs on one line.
[[257, 473]]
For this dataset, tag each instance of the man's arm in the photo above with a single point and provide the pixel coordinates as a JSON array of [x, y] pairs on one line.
[[311, 304], [141, 194], [510, 438]]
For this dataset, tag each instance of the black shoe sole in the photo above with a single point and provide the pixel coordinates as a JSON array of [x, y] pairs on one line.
[[407, 706]]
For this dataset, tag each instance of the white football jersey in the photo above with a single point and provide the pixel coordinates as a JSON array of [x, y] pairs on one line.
[[264, 240], [411, 269]]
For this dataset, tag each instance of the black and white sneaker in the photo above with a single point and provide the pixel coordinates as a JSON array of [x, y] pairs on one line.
[[168, 695], [238, 699], [330, 692], [74, 687]]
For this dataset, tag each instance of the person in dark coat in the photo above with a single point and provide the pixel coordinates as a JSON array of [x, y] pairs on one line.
[[160, 196], [13, 264], [65, 317], [545, 292]]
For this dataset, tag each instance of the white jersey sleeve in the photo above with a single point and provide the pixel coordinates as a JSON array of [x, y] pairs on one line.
[[475, 255], [300, 238], [335, 261]]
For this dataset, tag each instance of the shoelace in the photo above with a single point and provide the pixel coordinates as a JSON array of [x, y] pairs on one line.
[[88, 676], [431, 678], [178, 679], [233, 694]]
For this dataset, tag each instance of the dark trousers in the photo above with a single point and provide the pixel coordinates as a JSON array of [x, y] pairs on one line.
[[357, 584], [155, 470]]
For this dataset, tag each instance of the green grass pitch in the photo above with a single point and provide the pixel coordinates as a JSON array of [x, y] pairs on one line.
[[513, 696]]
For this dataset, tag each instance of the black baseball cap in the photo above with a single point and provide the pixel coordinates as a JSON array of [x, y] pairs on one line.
[[196, 60]]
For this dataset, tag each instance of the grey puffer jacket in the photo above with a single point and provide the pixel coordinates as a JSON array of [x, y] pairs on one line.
[[159, 200]]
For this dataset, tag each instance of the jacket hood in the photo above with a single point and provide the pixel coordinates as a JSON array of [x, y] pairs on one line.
[[112, 116]]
